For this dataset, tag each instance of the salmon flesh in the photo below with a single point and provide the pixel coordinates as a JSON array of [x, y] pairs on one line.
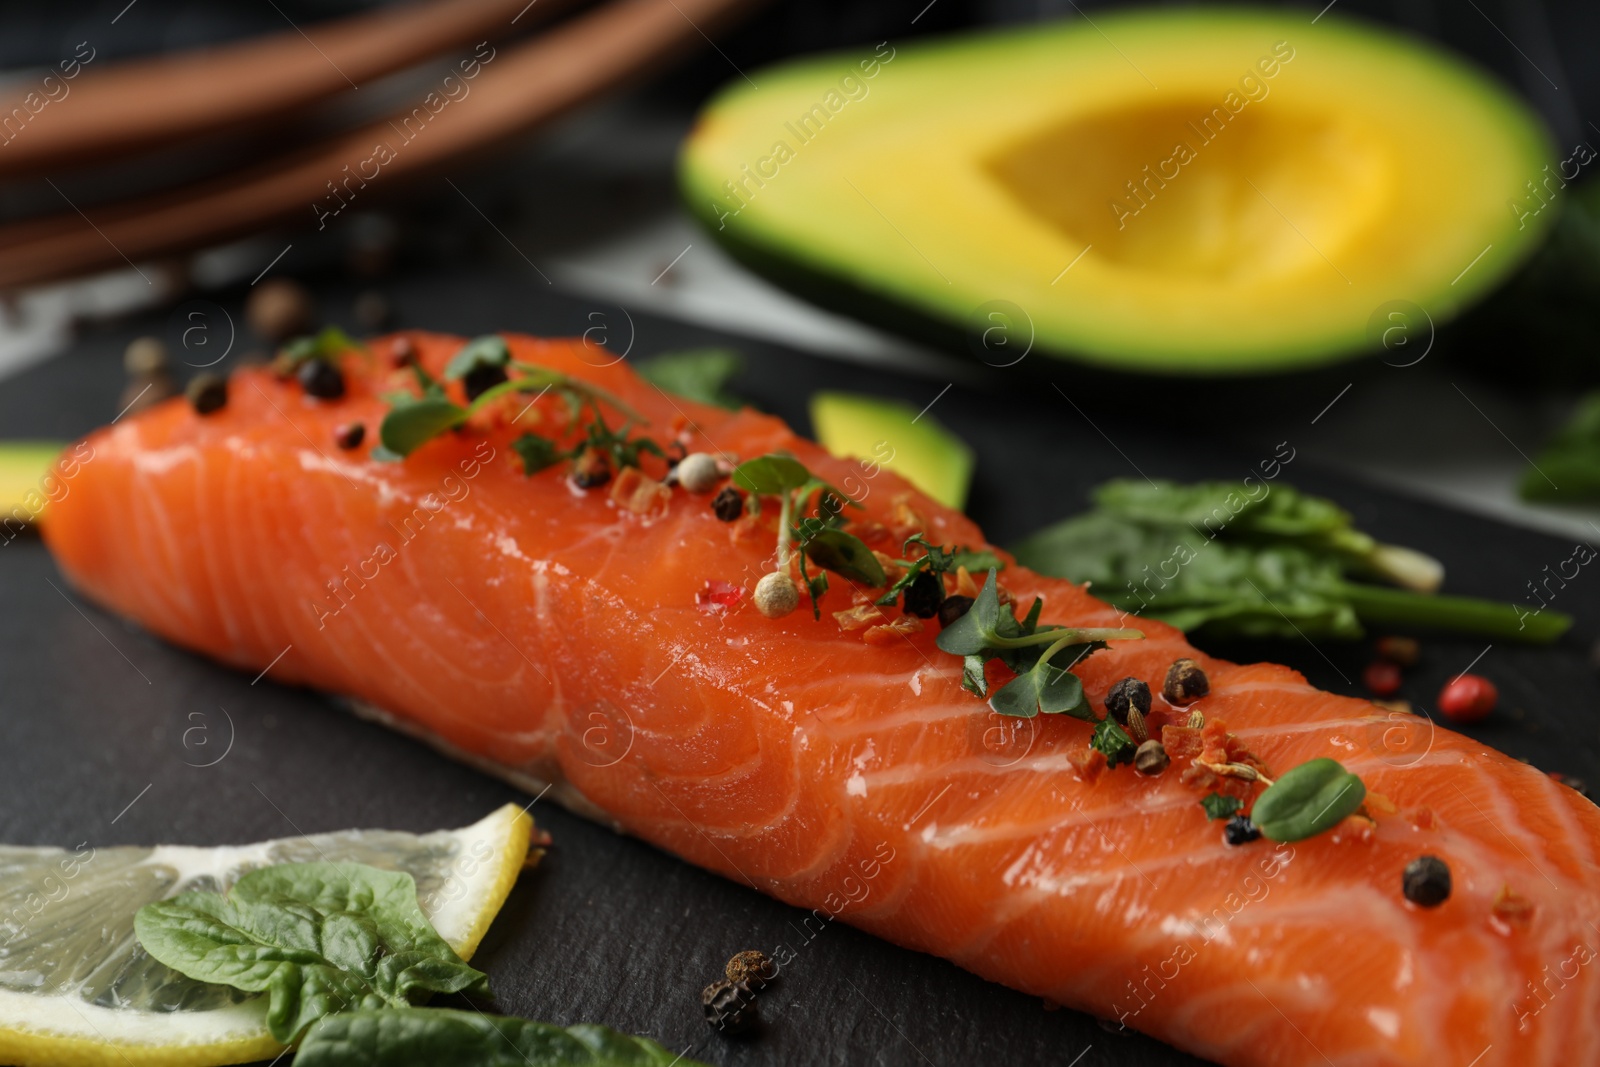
[[604, 642]]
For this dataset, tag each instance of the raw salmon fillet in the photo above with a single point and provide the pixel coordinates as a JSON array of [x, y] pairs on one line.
[[557, 636]]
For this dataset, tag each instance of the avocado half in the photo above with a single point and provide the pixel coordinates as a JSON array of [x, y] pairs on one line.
[[1167, 191]]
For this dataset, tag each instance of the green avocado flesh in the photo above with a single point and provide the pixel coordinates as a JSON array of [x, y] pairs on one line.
[[887, 433], [1181, 191]]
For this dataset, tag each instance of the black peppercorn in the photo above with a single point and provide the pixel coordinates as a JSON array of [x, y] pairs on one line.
[[1185, 683], [350, 435], [953, 608], [728, 504], [1240, 831], [207, 393], [321, 379], [1426, 881], [1128, 693], [923, 595], [481, 378], [730, 1006], [591, 469], [752, 967]]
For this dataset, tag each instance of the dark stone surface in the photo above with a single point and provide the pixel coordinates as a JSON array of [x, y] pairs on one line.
[[93, 714]]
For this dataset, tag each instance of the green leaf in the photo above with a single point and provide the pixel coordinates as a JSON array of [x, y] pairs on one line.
[[1311, 798], [974, 631], [1114, 741], [409, 426], [316, 937], [700, 374], [973, 680], [1020, 696], [1220, 807], [974, 560], [326, 344], [489, 351], [846, 554], [1061, 692], [771, 475], [429, 1037], [536, 452]]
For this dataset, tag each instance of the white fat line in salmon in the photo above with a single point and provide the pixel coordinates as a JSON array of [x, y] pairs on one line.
[[1539, 996], [856, 887], [52, 488], [343, 587], [1151, 980]]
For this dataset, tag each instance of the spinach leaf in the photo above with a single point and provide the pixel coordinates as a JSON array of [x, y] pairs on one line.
[[427, 1037], [316, 937], [1234, 587], [1568, 468], [1309, 799], [699, 374]]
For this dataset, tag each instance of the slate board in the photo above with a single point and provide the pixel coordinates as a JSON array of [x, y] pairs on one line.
[[93, 712]]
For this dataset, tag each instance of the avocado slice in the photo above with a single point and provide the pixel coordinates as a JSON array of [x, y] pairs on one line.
[[24, 467], [1217, 192], [894, 435]]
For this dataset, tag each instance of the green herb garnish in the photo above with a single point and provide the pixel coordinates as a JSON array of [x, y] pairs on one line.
[[1285, 565], [315, 937], [1309, 799], [699, 374], [817, 538], [989, 630], [1568, 468], [937, 560], [425, 1037], [1220, 807], [1114, 741], [325, 344], [414, 420]]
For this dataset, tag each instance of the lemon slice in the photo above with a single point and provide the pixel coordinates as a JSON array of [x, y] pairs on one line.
[[76, 988]]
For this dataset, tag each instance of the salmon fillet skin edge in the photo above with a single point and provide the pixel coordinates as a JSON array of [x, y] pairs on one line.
[[564, 637]]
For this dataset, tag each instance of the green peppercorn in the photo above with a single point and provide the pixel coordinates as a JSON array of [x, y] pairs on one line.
[[1185, 682], [923, 595], [321, 379], [752, 967], [730, 1007], [1128, 693], [953, 608], [1426, 881], [207, 393], [728, 504]]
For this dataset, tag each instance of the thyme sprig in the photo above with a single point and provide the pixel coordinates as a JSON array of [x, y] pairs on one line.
[[936, 560], [990, 630]]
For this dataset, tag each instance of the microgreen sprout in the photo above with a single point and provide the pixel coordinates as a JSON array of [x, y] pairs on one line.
[[990, 630]]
